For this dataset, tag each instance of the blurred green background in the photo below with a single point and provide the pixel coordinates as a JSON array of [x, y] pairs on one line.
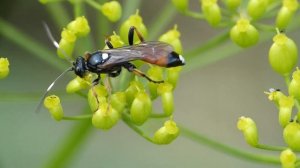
[[208, 100]]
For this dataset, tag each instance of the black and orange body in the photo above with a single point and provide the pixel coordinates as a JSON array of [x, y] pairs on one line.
[[112, 60]]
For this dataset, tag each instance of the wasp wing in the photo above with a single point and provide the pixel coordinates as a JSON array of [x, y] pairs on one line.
[[154, 52]]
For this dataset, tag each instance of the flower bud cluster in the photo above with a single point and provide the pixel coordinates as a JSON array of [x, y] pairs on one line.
[[76, 28], [133, 104]]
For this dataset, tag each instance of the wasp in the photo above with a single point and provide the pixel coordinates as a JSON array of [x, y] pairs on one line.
[[112, 60]]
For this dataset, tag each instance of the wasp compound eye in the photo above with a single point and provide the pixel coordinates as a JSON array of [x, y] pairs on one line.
[[175, 59], [79, 67]]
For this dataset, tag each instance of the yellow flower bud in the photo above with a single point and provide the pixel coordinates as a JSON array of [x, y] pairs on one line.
[[286, 105], [79, 26], [112, 10], [256, 8], [66, 44], [155, 73], [211, 11], [165, 91], [52, 103], [134, 20], [141, 108], [248, 127], [118, 101], [232, 4], [105, 117], [283, 54], [181, 5], [4, 67], [275, 95], [167, 133], [173, 75], [101, 94], [244, 34], [288, 158], [291, 135], [294, 87], [172, 37], [283, 18], [77, 84], [132, 90]]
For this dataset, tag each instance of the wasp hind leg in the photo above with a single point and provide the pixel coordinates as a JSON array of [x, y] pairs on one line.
[[131, 35], [131, 68]]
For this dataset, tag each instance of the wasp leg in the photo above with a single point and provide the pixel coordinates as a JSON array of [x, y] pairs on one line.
[[108, 43], [96, 82], [131, 68], [115, 73], [131, 35]]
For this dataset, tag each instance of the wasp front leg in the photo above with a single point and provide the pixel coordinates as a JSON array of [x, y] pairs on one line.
[[108, 43], [131, 68]]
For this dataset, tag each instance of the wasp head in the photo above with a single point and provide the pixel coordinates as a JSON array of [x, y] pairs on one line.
[[80, 66]]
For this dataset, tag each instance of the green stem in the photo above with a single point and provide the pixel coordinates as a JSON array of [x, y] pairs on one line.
[[94, 4], [128, 122], [158, 115], [79, 117], [24, 41], [271, 148], [210, 44], [201, 139], [195, 15], [78, 8], [161, 21], [64, 152]]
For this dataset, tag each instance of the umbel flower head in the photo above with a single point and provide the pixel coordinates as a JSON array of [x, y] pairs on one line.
[[128, 98]]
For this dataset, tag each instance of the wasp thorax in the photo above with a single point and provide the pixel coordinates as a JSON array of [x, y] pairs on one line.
[[96, 59], [79, 66]]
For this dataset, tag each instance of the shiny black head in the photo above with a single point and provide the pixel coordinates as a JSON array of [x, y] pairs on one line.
[[175, 59], [79, 66]]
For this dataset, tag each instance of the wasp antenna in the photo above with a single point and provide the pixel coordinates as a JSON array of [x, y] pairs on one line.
[[55, 43], [49, 34], [50, 87]]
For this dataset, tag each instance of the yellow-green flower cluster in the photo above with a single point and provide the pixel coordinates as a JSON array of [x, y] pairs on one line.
[[76, 28], [133, 102]]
